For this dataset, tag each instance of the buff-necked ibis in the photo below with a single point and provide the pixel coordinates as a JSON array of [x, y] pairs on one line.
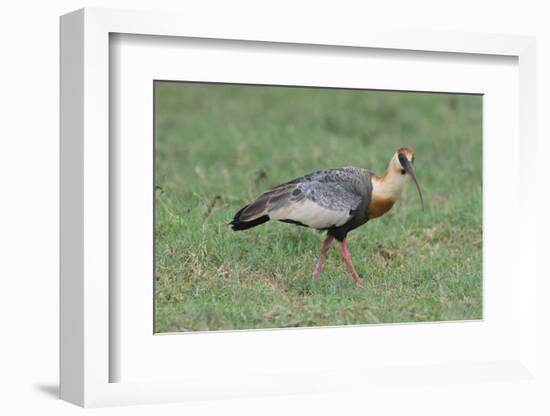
[[336, 200]]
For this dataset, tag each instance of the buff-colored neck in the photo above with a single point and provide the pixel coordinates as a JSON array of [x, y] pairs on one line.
[[391, 184]]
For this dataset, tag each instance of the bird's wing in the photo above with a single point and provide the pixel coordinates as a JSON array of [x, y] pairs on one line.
[[317, 205], [319, 200]]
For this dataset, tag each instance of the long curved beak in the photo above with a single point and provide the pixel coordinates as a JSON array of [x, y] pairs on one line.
[[410, 170]]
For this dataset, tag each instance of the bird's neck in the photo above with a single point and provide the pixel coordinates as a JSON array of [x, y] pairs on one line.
[[385, 191], [388, 186]]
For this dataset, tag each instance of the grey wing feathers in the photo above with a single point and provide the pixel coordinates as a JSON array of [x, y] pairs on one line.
[[330, 195], [319, 200], [273, 199]]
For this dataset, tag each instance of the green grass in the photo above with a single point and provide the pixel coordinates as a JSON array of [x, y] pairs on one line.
[[219, 146]]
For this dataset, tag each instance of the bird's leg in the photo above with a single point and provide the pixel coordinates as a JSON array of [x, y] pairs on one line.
[[347, 258], [324, 251]]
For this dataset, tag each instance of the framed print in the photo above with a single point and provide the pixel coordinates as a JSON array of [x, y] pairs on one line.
[[198, 166]]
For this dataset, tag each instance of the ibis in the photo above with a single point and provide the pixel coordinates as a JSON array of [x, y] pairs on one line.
[[332, 200]]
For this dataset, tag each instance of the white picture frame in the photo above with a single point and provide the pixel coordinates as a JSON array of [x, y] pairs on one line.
[[87, 356]]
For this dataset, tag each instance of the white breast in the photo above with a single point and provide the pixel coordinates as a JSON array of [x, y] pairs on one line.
[[311, 214]]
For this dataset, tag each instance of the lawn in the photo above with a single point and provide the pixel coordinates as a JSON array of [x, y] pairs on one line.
[[219, 146]]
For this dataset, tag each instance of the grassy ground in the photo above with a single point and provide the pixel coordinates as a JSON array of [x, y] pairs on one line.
[[218, 147]]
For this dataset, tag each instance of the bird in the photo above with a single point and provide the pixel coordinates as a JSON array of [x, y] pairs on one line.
[[336, 200]]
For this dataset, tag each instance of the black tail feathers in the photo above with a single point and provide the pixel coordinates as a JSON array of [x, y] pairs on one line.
[[238, 225]]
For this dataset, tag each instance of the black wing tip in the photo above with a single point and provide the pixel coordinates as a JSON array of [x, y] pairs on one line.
[[238, 225]]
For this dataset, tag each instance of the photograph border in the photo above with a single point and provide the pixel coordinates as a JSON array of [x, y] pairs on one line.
[[84, 180]]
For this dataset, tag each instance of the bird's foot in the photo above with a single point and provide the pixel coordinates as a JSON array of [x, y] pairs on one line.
[[358, 279], [317, 270]]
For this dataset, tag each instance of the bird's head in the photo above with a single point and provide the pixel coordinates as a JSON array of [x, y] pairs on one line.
[[402, 164]]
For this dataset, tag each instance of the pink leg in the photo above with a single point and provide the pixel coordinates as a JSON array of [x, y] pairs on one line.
[[324, 251], [347, 258]]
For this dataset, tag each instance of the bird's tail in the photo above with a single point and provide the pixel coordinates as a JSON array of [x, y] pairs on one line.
[[239, 224]]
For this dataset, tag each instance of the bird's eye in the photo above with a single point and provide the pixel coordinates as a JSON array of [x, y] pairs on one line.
[[403, 171]]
